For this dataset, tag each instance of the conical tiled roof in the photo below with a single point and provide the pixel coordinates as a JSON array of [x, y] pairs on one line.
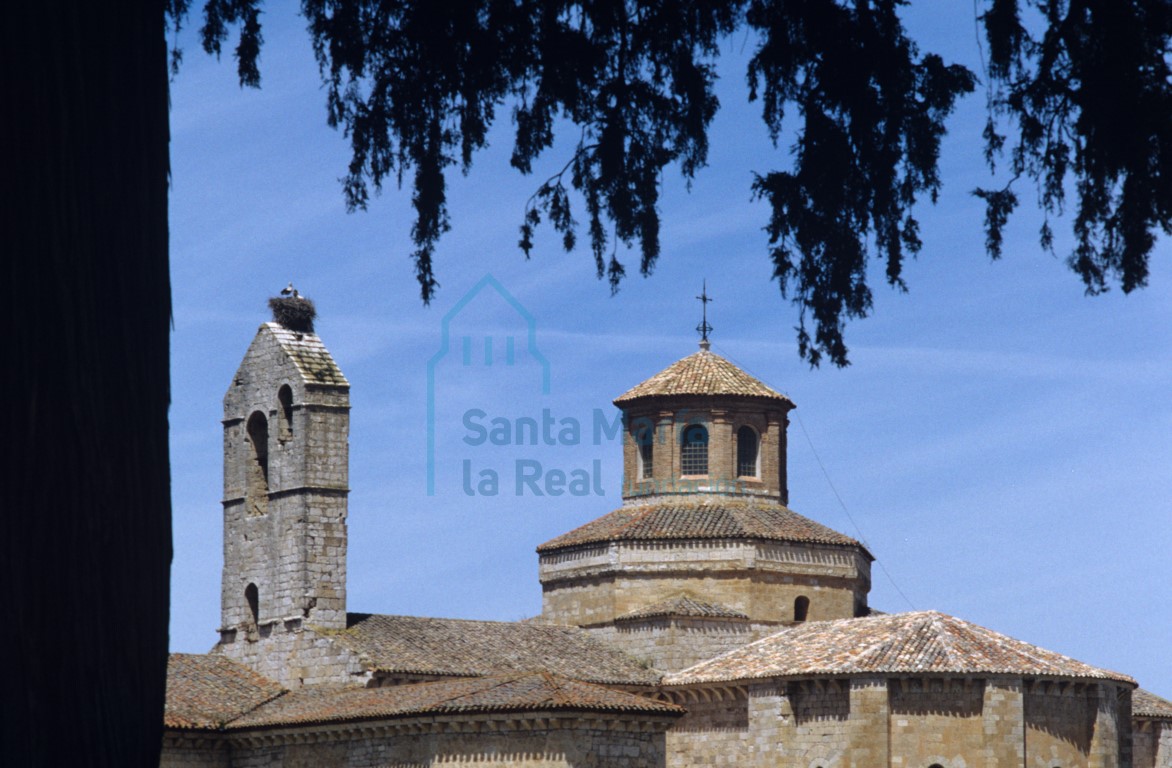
[[923, 642], [1147, 704], [723, 519], [704, 373]]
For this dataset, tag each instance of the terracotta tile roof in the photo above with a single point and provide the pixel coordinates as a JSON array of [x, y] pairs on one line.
[[686, 606], [309, 354], [704, 373], [206, 691], [518, 692], [1147, 704], [923, 642], [723, 519], [463, 648]]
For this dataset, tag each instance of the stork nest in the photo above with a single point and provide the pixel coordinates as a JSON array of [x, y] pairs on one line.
[[295, 313]]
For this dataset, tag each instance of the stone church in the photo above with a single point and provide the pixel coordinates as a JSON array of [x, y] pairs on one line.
[[703, 622]]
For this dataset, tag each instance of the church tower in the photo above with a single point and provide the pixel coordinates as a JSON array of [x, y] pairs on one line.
[[704, 555], [286, 465]]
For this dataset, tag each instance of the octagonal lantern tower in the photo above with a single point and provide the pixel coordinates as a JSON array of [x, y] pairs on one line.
[[704, 555], [702, 426]]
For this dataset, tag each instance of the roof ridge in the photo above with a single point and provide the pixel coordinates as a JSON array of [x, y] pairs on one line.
[[429, 618], [918, 642], [496, 682], [1150, 705], [209, 690], [872, 645], [942, 636], [1030, 650], [249, 711], [559, 694]]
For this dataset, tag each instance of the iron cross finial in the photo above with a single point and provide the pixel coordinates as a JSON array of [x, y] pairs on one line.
[[704, 328]]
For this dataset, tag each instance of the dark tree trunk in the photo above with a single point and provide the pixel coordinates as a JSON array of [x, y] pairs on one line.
[[87, 506]]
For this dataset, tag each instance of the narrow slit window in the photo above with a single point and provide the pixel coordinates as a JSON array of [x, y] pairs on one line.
[[257, 493], [645, 438], [747, 452], [694, 452]]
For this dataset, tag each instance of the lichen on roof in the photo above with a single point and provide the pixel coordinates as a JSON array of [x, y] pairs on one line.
[[469, 648], [1149, 705], [921, 642], [206, 691], [703, 373], [513, 692], [721, 519], [309, 354]]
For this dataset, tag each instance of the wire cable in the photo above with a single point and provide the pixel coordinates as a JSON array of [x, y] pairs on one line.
[[833, 490], [849, 516]]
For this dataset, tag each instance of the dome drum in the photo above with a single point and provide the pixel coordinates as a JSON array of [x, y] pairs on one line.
[[692, 446]]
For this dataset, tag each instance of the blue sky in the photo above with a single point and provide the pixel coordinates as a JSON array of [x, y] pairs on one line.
[[1001, 442]]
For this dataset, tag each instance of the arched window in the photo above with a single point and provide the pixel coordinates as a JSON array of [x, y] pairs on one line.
[[257, 494], [645, 439], [747, 452], [694, 452], [801, 608], [285, 400], [252, 597]]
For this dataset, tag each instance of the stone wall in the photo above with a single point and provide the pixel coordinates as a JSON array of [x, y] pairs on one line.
[[714, 732], [835, 722], [670, 644], [1151, 744], [598, 584], [540, 740], [285, 500], [911, 722], [1060, 724], [195, 749], [936, 721], [1003, 722], [295, 656]]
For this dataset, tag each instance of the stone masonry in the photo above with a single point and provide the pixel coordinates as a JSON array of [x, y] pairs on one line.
[[534, 740], [903, 722], [703, 623], [724, 535], [286, 466]]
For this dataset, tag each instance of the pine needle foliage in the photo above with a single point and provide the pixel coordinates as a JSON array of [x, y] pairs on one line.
[[1079, 97]]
